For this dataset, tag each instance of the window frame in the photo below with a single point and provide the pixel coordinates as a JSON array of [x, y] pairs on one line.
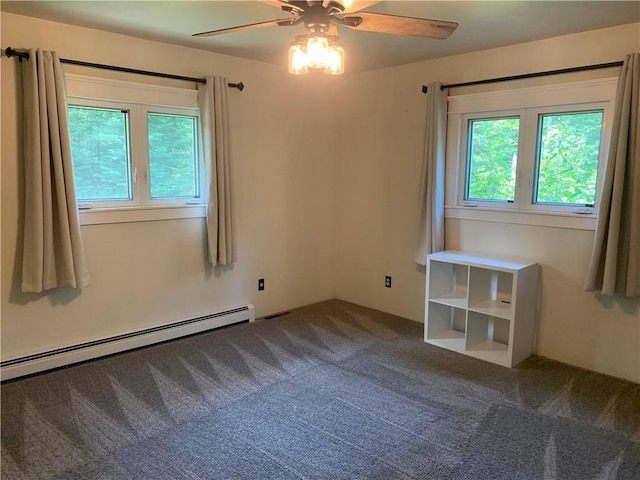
[[89, 203], [139, 100], [465, 148], [528, 103], [532, 163], [146, 198], [199, 170]]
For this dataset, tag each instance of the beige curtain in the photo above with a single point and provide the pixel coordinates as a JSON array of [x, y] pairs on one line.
[[615, 260], [214, 123], [431, 207], [53, 255]]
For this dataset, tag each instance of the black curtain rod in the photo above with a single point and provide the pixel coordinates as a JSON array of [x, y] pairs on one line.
[[10, 52], [530, 75]]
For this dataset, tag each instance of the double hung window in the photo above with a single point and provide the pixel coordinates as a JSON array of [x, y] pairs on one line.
[[538, 150], [135, 149]]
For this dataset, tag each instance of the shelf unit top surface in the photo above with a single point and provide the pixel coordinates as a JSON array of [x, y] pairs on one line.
[[481, 260]]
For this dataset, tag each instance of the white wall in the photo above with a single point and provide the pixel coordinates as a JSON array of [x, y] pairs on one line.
[[377, 186], [326, 207], [150, 273]]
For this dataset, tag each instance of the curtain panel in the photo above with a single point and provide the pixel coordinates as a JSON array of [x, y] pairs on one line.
[[214, 123], [615, 259], [53, 253], [431, 206]]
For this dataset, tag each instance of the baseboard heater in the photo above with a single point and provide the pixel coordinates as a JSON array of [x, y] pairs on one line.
[[60, 357]]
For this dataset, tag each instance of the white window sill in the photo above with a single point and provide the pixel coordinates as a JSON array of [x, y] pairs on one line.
[[543, 219], [97, 216]]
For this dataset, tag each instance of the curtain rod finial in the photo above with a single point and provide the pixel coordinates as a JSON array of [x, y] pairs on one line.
[[12, 52]]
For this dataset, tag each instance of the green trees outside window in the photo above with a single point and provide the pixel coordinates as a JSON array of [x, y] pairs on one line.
[[173, 156], [566, 158], [100, 150], [105, 170], [492, 159], [568, 152]]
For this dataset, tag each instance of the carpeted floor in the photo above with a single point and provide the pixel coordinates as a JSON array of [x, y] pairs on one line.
[[329, 391]]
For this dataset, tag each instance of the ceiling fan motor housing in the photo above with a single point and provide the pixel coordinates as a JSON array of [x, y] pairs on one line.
[[317, 18]]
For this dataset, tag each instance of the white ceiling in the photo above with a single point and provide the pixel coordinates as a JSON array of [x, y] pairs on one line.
[[483, 24]]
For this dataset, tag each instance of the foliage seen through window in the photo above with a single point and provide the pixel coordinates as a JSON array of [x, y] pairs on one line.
[[492, 158], [100, 150], [173, 165], [568, 152]]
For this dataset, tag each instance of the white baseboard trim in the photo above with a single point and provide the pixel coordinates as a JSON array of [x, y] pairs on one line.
[[60, 357]]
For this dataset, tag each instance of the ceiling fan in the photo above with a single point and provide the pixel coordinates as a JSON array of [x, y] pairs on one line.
[[319, 49]]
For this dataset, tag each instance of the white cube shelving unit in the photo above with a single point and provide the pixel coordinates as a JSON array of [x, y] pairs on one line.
[[481, 306]]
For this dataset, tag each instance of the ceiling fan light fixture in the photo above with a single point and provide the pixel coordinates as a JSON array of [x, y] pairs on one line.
[[335, 60], [317, 52], [298, 59]]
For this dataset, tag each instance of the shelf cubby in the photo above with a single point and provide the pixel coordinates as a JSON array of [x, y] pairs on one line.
[[486, 332], [449, 283], [490, 292], [447, 326], [481, 306]]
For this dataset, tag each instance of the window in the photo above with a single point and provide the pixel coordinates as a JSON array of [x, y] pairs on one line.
[[492, 159], [100, 148], [534, 150], [135, 150], [567, 158], [567, 153], [109, 171], [173, 156]]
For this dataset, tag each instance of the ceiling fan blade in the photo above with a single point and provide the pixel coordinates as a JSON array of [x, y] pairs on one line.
[[415, 27], [285, 22]]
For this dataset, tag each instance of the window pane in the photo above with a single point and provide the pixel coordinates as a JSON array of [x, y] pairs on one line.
[[568, 152], [100, 151], [173, 158], [491, 159]]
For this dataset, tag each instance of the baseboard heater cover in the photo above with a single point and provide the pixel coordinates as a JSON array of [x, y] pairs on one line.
[[61, 357]]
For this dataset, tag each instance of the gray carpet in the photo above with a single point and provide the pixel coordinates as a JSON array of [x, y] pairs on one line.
[[329, 391]]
